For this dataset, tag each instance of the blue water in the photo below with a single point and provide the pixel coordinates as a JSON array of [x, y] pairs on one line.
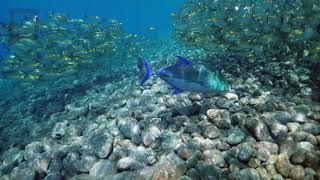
[[137, 16]]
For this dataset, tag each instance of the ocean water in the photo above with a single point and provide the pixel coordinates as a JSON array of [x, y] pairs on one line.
[[184, 89]]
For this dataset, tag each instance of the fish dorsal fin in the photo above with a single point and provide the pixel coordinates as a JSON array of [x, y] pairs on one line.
[[183, 61]]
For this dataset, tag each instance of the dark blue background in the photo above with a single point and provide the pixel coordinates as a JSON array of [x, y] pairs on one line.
[[136, 15]]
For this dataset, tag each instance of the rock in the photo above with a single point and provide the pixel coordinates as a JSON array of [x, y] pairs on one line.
[[236, 136], [131, 130], [213, 113], [149, 135], [192, 161], [170, 102], [304, 109], [128, 163], [59, 130], [277, 177], [56, 164], [246, 151], [223, 103], [12, 156], [192, 128], [309, 171], [89, 129], [219, 118], [299, 117], [273, 148], [22, 172], [184, 152], [283, 165], [169, 141], [238, 118], [32, 149], [76, 112], [101, 144], [169, 167], [193, 173], [82, 177], [55, 106], [40, 163], [235, 108], [214, 157], [258, 128], [254, 163], [311, 128], [278, 131], [53, 176], [248, 173], [293, 127], [263, 173], [147, 92], [297, 172], [185, 178], [208, 171], [85, 163], [231, 96], [210, 131], [70, 162], [126, 175], [151, 160], [96, 109], [305, 146], [195, 97], [235, 165], [281, 116]]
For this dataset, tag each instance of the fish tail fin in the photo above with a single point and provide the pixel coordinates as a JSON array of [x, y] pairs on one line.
[[144, 70]]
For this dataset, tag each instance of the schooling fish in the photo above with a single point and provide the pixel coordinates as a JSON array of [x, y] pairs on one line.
[[186, 76]]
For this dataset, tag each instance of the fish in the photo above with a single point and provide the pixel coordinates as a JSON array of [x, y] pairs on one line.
[[186, 76]]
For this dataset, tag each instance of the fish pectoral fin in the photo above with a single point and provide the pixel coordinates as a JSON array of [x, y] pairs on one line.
[[177, 90]]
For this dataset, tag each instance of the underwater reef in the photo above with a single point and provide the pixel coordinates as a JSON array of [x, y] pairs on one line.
[[75, 109]]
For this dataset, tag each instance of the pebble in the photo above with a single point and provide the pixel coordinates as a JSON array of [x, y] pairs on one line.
[[297, 172], [32, 149], [149, 135], [128, 163], [223, 103], [131, 130], [258, 128], [231, 96], [283, 165], [214, 157], [311, 128], [236, 136], [246, 151], [170, 167], [102, 145], [277, 130], [207, 171], [40, 163], [210, 131], [59, 130], [184, 152], [22, 172], [53, 176]]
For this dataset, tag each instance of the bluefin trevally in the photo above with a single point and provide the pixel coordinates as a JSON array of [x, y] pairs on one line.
[[186, 76]]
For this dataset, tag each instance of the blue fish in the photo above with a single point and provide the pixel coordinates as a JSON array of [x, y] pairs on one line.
[[186, 76]]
